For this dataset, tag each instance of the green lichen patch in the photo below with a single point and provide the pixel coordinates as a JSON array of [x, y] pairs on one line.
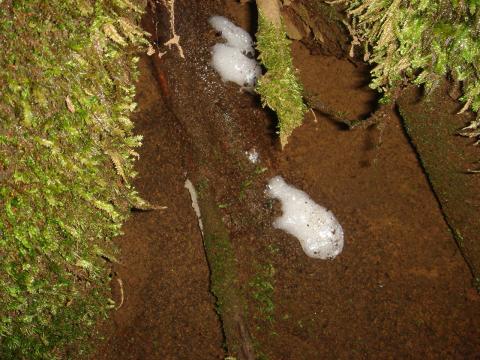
[[66, 162], [279, 88]]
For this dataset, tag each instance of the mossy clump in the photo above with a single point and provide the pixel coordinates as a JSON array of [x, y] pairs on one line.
[[421, 42], [279, 88], [66, 163]]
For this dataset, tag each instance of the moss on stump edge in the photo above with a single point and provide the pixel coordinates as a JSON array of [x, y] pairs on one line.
[[279, 88], [66, 163]]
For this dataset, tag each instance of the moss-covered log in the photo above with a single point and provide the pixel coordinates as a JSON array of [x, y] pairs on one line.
[[66, 154]]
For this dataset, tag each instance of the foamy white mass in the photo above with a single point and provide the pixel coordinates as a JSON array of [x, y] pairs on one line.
[[317, 229], [253, 156], [234, 35], [233, 59]]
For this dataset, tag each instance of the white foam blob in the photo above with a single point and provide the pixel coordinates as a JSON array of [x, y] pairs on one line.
[[233, 66], [233, 59], [253, 156], [234, 35], [317, 229]]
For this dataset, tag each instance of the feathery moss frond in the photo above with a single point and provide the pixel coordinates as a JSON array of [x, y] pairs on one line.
[[421, 41], [66, 85], [279, 88]]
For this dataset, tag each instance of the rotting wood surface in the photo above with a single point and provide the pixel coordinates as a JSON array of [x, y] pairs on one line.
[[214, 147], [433, 125], [399, 287]]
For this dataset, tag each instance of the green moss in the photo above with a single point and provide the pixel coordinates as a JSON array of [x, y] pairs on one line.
[[263, 291], [250, 179], [66, 84], [420, 41], [279, 88], [222, 268]]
